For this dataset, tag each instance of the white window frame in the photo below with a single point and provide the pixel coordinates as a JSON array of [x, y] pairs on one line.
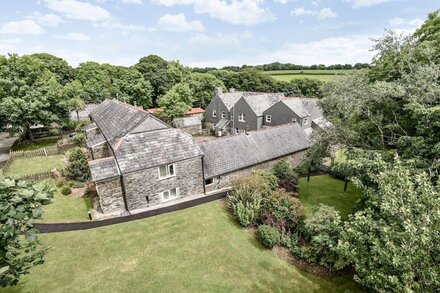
[[242, 117], [305, 120], [162, 194], [168, 171], [214, 113], [294, 120], [223, 114], [268, 118]]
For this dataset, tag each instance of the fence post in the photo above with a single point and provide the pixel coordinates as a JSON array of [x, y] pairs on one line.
[[45, 152]]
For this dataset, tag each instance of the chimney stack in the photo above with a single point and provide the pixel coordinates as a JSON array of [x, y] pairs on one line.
[[231, 90], [219, 90]]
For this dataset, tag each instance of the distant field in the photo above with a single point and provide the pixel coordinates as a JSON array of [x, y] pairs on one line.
[[323, 75]]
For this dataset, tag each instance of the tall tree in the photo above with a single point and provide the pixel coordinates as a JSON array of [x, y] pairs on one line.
[[96, 81], [176, 101], [64, 72], [203, 86], [20, 205], [29, 94]]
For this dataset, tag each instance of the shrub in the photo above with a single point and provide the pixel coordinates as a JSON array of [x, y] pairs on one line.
[[65, 190], [268, 235], [282, 211], [268, 176], [323, 229], [282, 170], [77, 167], [244, 201], [80, 138], [289, 184], [60, 183]]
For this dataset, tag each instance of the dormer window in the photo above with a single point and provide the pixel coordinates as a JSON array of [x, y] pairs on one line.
[[214, 113]]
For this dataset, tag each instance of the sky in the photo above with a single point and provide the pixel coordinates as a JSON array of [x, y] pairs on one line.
[[206, 32]]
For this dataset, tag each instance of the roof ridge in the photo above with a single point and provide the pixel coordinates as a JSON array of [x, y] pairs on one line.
[[131, 106]]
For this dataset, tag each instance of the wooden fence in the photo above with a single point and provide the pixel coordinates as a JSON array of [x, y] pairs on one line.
[[44, 152], [38, 176]]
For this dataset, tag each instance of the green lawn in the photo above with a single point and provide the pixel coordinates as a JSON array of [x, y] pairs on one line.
[[37, 144], [323, 75], [33, 165], [194, 250], [65, 208], [327, 190]]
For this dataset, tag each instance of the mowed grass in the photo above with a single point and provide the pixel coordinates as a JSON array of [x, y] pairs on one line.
[[327, 190], [33, 165], [199, 249], [322, 75], [36, 144], [65, 208]]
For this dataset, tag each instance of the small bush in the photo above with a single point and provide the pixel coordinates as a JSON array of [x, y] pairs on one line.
[[60, 183], [282, 170], [268, 235], [77, 167], [254, 183], [268, 176], [247, 213], [283, 211], [65, 190], [244, 201]]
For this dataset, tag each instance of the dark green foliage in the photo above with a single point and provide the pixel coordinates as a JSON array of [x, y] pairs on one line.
[[176, 101], [282, 210], [202, 86], [323, 229], [20, 249], [80, 138], [61, 182], [268, 235], [268, 176], [282, 169], [66, 190], [77, 167], [58, 66]]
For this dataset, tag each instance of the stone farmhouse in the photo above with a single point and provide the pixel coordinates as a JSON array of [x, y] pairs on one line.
[[138, 161], [235, 112]]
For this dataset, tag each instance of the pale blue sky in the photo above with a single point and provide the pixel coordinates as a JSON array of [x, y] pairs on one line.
[[206, 32]]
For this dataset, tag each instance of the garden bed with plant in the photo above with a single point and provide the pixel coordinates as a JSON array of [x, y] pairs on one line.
[[266, 203]]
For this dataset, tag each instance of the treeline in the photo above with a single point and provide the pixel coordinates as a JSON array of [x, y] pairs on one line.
[[285, 66], [43, 88]]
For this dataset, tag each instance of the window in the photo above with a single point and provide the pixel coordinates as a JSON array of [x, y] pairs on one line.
[[236, 130], [241, 117], [232, 116], [268, 118], [223, 114], [169, 194], [293, 120], [166, 171], [305, 120], [208, 181], [214, 113]]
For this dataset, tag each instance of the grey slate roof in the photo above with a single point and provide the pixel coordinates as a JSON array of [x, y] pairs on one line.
[[98, 139], [229, 99], [235, 152], [297, 106], [150, 123], [90, 126], [183, 122], [312, 107], [115, 119], [154, 148], [84, 114], [102, 169], [260, 102], [321, 122], [222, 123]]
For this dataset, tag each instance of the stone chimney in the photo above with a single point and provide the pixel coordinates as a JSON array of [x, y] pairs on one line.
[[231, 90], [219, 90]]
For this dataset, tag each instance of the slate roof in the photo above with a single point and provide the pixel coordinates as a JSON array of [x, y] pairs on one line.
[[261, 102], [235, 152], [102, 169], [95, 140], [150, 123], [187, 122], [84, 114], [154, 148], [115, 119], [222, 123], [90, 126], [312, 107], [321, 122], [229, 99], [297, 106], [191, 111]]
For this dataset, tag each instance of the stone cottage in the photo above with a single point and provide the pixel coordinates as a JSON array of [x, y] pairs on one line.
[[138, 161]]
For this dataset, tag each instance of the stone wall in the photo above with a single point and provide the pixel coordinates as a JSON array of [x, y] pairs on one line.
[[225, 180], [92, 132], [192, 129], [146, 183], [100, 151], [110, 195]]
